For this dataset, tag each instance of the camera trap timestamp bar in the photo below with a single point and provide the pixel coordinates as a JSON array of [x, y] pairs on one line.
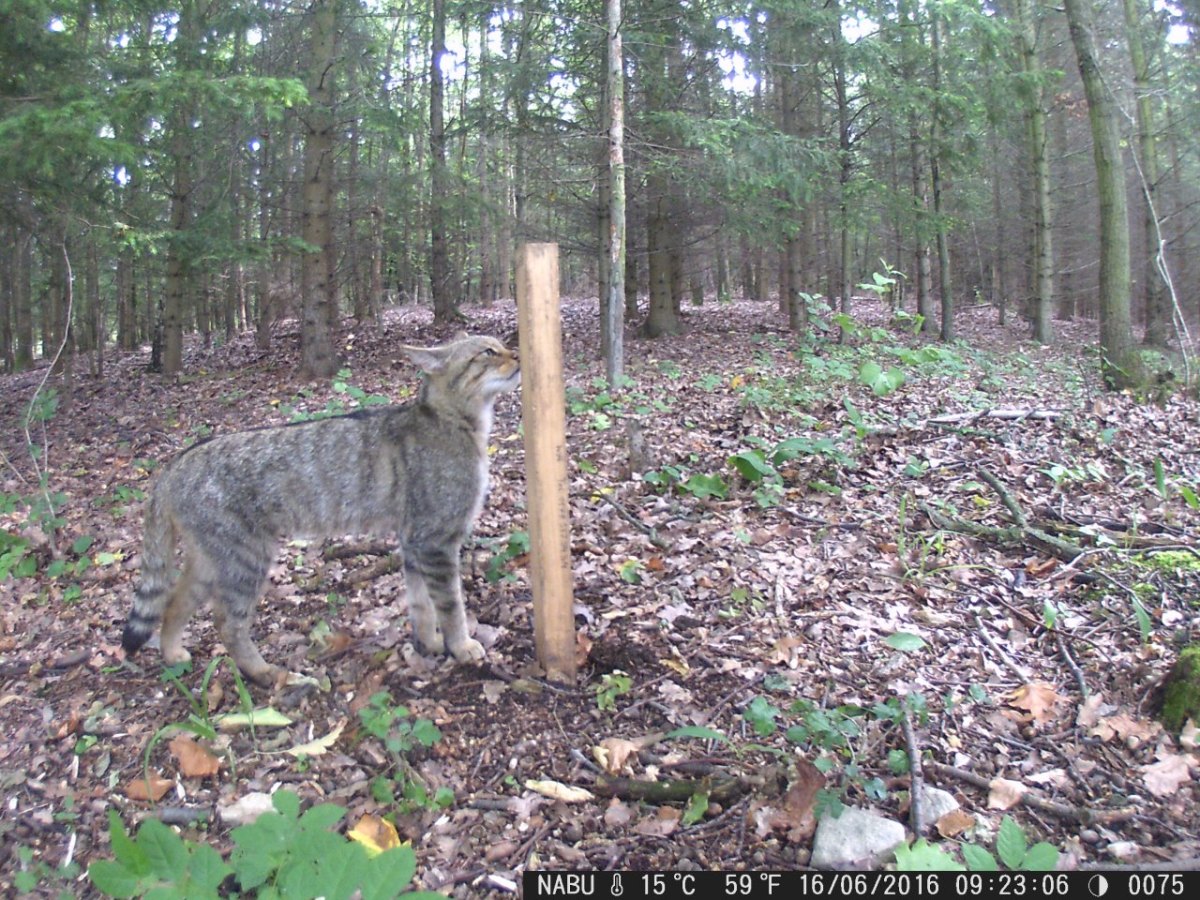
[[852, 885]]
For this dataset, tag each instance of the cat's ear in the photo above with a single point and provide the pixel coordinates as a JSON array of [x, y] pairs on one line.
[[431, 359], [461, 335]]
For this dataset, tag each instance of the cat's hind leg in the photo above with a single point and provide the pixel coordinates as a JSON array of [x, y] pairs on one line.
[[239, 580], [420, 610]]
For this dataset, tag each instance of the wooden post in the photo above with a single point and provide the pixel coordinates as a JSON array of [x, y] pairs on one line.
[[543, 412]]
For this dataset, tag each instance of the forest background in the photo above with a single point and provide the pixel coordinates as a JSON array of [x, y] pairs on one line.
[[862, 501], [210, 167]]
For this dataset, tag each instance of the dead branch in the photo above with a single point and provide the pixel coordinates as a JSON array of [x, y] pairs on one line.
[[1019, 534], [916, 805], [721, 789], [351, 549], [380, 567], [1038, 802], [650, 532], [1011, 415]]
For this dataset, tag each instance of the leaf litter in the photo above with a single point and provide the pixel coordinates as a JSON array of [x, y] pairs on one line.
[[763, 627]]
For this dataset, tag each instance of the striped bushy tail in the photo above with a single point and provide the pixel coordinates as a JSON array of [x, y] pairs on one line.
[[150, 596]]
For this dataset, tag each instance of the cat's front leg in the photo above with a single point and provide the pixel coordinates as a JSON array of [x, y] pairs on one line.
[[439, 571]]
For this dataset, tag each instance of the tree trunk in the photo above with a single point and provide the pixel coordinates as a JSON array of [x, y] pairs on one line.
[[1116, 331], [318, 285], [445, 304], [612, 319], [1157, 306], [1035, 123], [935, 171]]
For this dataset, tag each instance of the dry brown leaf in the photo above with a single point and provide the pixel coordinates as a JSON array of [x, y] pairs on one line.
[[1164, 777], [154, 788], [1187, 737], [785, 651], [613, 754], [1134, 732], [1054, 777], [1004, 794], [195, 760], [583, 648], [1090, 711], [662, 824], [1037, 699], [618, 814], [954, 823]]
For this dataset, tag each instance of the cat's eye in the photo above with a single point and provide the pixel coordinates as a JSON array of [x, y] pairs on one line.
[[488, 351]]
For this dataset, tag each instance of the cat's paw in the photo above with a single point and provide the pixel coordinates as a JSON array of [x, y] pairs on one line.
[[469, 651], [175, 656], [431, 641]]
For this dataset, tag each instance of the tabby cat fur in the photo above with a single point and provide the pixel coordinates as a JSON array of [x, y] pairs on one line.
[[418, 470]]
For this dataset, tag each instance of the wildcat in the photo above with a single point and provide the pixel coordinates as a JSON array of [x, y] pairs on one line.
[[418, 469]]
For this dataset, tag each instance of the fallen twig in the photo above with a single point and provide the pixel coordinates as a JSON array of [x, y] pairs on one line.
[[1038, 802], [1017, 415], [916, 806]]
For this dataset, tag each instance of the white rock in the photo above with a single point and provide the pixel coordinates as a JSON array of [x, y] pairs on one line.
[[855, 838], [935, 803], [247, 809]]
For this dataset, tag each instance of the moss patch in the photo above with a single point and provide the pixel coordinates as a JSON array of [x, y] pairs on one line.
[[1182, 698]]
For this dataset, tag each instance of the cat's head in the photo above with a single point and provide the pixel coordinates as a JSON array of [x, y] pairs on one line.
[[470, 368]]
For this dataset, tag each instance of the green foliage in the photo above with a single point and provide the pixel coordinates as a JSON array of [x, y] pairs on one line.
[[761, 715], [677, 478], [348, 397], [905, 642], [284, 853], [612, 685], [1012, 847], [35, 873], [923, 856], [879, 380], [393, 725], [157, 861], [761, 466], [516, 546]]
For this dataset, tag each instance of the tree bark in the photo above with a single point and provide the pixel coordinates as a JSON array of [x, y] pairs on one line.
[[318, 285], [612, 319], [1035, 124], [1156, 304], [1116, 331], [445, 304]]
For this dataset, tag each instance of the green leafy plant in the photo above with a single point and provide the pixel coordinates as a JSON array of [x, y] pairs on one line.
[[401, 734], [516, 546], [394, 726], [1014, 851], [881, 381], [349, 397], [34, 873], [612, 685], [284, 853]]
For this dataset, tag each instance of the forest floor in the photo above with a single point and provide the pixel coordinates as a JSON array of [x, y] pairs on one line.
[[887, 585]]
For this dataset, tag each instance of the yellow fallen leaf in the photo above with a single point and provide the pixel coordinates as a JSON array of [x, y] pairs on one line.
[[677, 665], [556, 790], [375, 834], [317, 746], [257, 718]]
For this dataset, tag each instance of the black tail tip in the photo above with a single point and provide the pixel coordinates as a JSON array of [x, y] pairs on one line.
[[134, 636]]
